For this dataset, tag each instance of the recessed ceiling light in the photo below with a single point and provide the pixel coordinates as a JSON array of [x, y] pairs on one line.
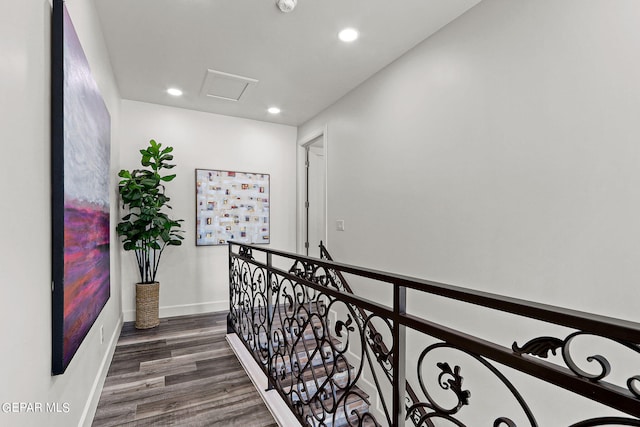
[[348, 35], [174, 91], [274, 110]]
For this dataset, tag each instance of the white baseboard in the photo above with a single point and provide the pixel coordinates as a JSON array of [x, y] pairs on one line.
[[96, 389], [184, 309], [198, 308], [280, 411]]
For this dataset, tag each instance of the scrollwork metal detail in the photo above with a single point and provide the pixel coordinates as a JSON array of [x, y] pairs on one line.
[[340, 325], [376, 342], [302, 334], [633, 384], [451, 379], [504, 421], [537, 347], [245, 252], [454, 382], [303, 356]]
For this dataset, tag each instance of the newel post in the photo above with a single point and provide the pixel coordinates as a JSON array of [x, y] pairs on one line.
[[399, 355]]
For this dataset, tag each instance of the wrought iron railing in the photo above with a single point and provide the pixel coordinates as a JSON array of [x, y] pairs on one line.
[[374, 339], [325, 350]]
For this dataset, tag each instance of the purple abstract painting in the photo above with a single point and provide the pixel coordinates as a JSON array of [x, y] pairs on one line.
[[81, 284]]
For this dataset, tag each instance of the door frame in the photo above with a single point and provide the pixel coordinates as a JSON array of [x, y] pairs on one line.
[[301, 185]]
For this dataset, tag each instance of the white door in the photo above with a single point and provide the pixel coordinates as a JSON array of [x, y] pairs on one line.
[[315, 206]]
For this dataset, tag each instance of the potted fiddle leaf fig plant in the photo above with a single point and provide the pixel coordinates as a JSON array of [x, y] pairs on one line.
[[146, 229]]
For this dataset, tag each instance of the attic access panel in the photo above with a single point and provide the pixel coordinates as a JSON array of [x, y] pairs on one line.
[[225, 86]]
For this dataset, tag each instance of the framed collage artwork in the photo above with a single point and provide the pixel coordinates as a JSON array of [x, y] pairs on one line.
[[231, 206]]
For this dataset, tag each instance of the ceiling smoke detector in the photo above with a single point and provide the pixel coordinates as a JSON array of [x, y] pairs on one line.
[[286, 6]]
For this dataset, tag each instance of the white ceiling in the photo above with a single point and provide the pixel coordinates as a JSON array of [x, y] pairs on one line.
[[299, 63]]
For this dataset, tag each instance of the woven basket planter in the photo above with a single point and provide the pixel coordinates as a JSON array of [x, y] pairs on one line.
[[147, 303]]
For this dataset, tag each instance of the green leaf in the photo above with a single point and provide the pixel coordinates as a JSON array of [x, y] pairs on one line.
[[129, 246]]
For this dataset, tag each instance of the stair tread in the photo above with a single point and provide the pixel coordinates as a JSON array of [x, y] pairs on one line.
[[315, 342], [319, 370], [356, 401]]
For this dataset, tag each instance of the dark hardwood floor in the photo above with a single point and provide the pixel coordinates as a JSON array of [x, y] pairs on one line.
[[182, 373]]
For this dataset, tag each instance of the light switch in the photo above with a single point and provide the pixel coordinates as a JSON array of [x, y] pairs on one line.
[[340, 225]]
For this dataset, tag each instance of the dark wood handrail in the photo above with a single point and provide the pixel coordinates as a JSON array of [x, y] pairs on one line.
[[588, 322]]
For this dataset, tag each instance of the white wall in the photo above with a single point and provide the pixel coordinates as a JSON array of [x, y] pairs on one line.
[[503, 153], [195, 279], [500, 154], [25, 261]]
